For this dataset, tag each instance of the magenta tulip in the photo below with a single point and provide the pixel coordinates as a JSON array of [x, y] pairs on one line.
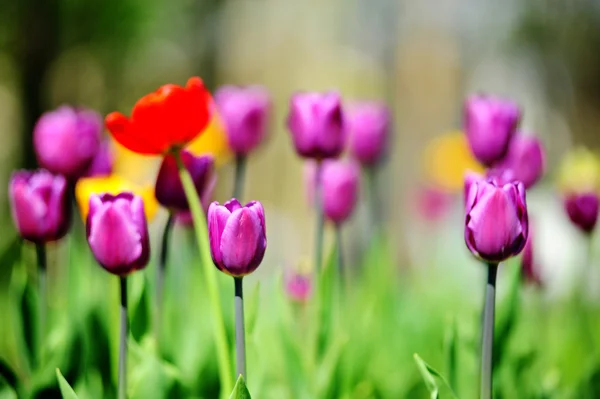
[[316, 123], [582, 209], [496, 223], [526, 158], [39, 205], [169, 190], [298, 286], [368, 125], [66, 140], [117, 232], [237, 236], [340, 182], [490, 124]]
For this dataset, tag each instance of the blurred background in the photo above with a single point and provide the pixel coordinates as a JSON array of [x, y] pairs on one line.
[[421, 57]]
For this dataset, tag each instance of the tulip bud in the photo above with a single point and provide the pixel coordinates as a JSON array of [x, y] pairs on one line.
[[316, 124], [340, 185], [368, 126], [237, 236], [102, 164], [40, 205], [298, 286], [496, 223], [117, 232], [529, 269], [245, 114], [67, 139], [490, 123], [582, 209], [526, 158], [169, 190]]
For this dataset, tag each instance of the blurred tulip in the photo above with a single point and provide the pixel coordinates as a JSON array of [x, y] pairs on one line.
[[169, 190], [168, 118], [433, 203], [213, 141], [526, 159], [582, 209], [298, 286], [40, 205], [496, 223], [490, 123], [529, 269], [117, 232], [579, 172], [67, 139], [103, 161], [245, 112], [316, 123], [237, 236], [113, 184], [368, 125], [340, 180], [184, 218]]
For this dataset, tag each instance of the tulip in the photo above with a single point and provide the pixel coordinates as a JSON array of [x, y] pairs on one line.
[[369, 128], [526, 158], [433, 203], [529, 269], [340, 189], [582, 209], [164, 120], [66, 140], [40, 205], [298, 286], [496, 223], [316, 123], [490, 123], [102, 163], [169, 190]]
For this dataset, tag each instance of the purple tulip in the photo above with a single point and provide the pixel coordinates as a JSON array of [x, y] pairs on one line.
[[340, 182], [526, 158], [298, 286], [67, 139], [490, 123], [529, 269], [169, 190], [582, 209], [245, 113], [117, 232], [238, 237], [470, 178], [433, 203], [496, 223], [368, 126], [316, 123], [102, 164], [40, 205]]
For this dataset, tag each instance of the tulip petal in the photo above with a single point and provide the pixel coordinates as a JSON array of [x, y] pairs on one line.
[[233, 204], [257, 208], [28, 211], [217, 219], [240, 240], [124, 133]]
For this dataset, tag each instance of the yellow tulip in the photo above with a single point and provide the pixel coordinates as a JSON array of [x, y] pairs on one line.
[[213, 142], [579, 171]]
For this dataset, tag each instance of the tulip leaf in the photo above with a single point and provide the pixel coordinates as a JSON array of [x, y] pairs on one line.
[[508, 310], [7, 374], [240, 391], [326, 292], [429, 375], [65, 389], [451, 352], [140, 306]]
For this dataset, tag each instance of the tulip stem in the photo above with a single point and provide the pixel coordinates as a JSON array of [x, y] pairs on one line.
[[40, 250], [162, 267], [240, 173], [240, 335], [339, 252], [122, 383], [371, 173], [210, 275], [320, 219], [487, 345]]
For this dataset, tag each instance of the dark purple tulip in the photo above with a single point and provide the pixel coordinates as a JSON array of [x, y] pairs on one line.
[[490, 123], [582, 209], [102, 164], [245, 113], [238, 237], [368, 125], [298, 286], [117, 232], [526, 158], [40, 205], [496, 223], [169, 190], [316, 124], [529, 269], [340, 185], [67, 139]]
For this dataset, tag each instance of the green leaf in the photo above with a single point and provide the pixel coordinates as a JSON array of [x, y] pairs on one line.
[[326, 292], [451, 352], [140, 306], [65, 389], [7, 374], [240, 391], [429, 375], [508, 310]]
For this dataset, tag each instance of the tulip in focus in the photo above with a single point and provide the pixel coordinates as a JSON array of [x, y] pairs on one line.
[[526, 158], [490, 124], [368, 126], [166, 119], [316, 124], [245, 113], [237, 236], [39, 205], [117, 232], [67, 139], [496, 222], [582, 209], [169, 190]]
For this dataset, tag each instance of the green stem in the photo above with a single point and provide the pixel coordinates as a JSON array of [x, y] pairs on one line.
[[487, 342], [210, 276], [240, 173], [122, 383], [373, 196], [339, 252], [40, 250], [162, 266], [320, 219]]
